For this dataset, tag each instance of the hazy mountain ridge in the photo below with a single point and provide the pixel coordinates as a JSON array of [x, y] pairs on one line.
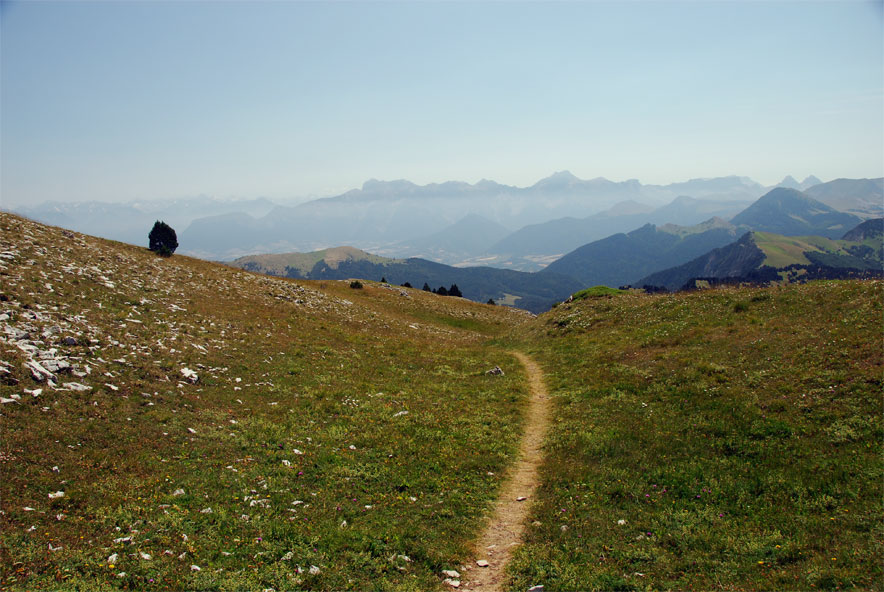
[[566, 234], [791, 212], [381, 213], [622, 259]]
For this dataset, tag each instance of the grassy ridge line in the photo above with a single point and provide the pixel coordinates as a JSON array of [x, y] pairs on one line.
[[721, 439], [336, 438]]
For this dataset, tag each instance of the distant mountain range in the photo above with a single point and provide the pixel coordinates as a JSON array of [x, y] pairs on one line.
[[566, 234], [530, 291], [464, 224], [765, 257], [791, 212], [381, 215], [668, 255]]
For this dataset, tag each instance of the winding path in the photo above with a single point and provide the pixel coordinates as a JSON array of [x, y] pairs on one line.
[[507, 525]]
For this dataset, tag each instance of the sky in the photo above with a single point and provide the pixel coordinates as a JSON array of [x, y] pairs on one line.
[[138, 100]]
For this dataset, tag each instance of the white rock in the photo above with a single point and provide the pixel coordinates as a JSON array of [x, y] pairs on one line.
[[450, 573], [113, 558], [56, 495], [189, 375], [452, 582], [76, 386], [621, 522], [482, 563], [178, 492], [146, 556], [313, 571], [195, 568]]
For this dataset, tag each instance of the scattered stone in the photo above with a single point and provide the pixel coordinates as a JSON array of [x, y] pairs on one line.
[[56, 495], [452, 582], [76, 386], [496, 371], [482, 563], [521, 498], [70, 341], [450, 573], [313, 571], [113, 559], [536, 588], [38, 372], [189, 375]]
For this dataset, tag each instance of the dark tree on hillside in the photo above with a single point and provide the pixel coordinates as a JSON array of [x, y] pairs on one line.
[[162, 239], [426, 287], [406, 285], [491, 302], [454, 291], [441, 291], [383, 280]]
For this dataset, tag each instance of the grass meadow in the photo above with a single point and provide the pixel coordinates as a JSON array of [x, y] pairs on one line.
[[726, 439], [350, 439]]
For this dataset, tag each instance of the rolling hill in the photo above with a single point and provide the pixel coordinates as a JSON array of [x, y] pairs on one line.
[[767, 257], [529, 291]]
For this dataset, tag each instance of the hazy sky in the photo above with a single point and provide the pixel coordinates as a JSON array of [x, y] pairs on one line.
[[137, 100]]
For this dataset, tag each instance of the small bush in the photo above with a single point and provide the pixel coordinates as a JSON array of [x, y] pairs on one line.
[[162, 239], [356, 285]]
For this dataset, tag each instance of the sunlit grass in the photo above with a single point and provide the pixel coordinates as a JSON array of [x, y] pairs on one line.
[[724, 439]]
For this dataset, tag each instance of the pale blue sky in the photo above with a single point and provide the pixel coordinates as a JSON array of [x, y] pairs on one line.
[[138, 100]]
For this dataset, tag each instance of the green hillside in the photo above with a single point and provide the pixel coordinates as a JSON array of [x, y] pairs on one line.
[[725, 439], [175, 424], [350, 430], [783, 251], [766, 258]]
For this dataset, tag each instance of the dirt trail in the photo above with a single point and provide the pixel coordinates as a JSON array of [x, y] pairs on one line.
[[507, 524]]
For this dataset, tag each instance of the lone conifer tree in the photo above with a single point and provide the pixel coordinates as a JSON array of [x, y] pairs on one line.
[[454, 291], [163, 240]]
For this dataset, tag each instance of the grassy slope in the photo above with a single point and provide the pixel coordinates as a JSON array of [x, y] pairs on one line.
[[782, 251], [736, 433], [389, 498], [764, 403]]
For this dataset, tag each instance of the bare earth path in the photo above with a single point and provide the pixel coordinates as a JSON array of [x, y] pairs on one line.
[[507, 524]]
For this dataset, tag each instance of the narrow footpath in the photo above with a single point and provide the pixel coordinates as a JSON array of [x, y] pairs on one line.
[[507, 524]]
